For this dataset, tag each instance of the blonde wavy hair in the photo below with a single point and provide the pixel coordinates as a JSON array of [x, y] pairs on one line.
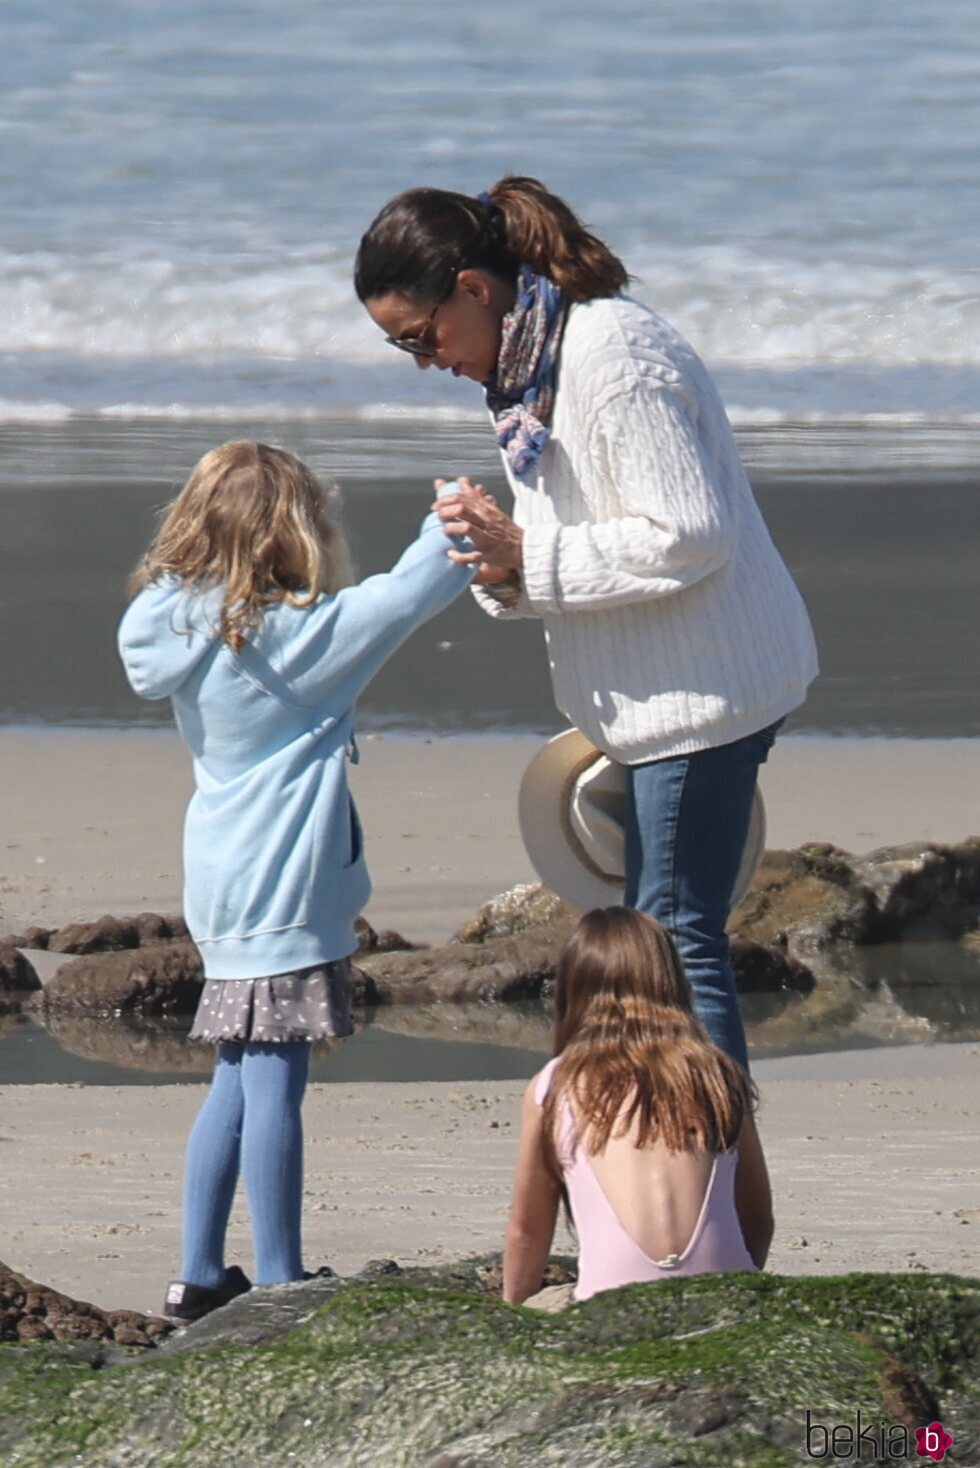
[[256, 521], [634, 1058]]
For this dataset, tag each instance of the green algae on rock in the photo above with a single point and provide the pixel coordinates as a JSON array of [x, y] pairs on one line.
[[426, 1369]]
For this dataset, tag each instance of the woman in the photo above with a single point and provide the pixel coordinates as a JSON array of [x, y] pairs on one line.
[[644, 1124], [676, 638]]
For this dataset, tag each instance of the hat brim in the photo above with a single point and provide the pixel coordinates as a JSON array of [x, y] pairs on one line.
[[566, 870]]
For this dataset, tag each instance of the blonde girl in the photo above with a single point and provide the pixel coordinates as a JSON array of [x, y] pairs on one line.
[[644, 1124], [243, 615]]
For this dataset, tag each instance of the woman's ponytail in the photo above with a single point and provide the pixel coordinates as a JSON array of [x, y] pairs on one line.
[[543, 232], [421, 240]]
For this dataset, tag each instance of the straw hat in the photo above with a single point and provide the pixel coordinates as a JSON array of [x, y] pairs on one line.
[[571, 811]]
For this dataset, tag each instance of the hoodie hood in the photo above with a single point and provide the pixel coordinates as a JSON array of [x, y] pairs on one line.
[[165, 634]]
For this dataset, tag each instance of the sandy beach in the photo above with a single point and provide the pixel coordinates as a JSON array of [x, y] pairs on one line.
[[872, 1152], [180, 230], [872, 1156], [91, 819]]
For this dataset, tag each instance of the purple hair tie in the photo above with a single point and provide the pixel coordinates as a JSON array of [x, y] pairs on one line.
[[489, 204]]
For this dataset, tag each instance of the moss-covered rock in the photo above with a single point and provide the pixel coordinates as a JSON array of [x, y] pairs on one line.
[[427, 1369], [818, 895]]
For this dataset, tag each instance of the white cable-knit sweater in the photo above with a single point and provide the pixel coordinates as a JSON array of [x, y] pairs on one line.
[[671, 622]]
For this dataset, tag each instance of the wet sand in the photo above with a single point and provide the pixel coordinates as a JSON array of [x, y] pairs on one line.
[[877, 525], [90, 820], [871, 1155]]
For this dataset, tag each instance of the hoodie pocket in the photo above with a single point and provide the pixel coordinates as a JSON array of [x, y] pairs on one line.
[[355, 837]]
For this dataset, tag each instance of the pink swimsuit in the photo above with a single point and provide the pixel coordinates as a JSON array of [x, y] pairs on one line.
[[608, 1255]]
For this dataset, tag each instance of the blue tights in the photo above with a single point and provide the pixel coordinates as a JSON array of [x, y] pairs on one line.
[[250, 1122]]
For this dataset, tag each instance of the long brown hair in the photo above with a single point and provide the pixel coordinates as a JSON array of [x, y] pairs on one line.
[[634, 1058], [422, 239], [254, 520]]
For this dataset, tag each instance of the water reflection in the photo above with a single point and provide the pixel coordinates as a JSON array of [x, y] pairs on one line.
[[936, 982], [155, 1046], [887, 995]]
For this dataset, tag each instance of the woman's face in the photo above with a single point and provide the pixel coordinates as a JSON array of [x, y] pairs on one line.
[[462, 332]]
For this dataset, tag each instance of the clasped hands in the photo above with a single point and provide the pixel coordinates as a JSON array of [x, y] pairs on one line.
[[497, 539]]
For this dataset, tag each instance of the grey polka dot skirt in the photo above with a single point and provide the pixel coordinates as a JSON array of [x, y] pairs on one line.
[[312, 1004]]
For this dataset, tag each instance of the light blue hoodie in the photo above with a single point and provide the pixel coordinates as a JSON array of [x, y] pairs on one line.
[[274, 870]]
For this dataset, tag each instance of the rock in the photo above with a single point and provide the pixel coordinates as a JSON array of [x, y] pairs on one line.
[[33, 1312], [105, 935], [799, 900], [376, 1268], [29, 938], [426, 1367], [529, 905], [518, 967], [265, 1313], [388, 941], [161, 979], [523, 966], [807, 900], [698, 1411], [110, 934], [384, 942], [17, 973], [921, 890], [766, 970], [557, 1272], [153, 927], [368, 992]]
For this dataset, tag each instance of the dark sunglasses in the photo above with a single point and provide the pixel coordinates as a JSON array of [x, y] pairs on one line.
[[418, 346]]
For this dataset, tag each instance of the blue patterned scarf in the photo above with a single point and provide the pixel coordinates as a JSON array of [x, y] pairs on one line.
[[521, 392]]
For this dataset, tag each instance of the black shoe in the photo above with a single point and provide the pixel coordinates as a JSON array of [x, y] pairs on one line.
[[189, 1302], [324, 1272]]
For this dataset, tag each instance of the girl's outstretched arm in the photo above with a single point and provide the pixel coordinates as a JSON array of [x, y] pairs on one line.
[[534, 1209], [753, 1195], [335, 648]]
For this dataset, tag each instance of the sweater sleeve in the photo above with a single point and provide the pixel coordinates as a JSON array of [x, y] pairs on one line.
[[339, 645], [503, 611], [677, 527]]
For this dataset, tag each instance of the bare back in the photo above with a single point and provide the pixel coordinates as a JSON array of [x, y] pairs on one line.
[[644, 1213]]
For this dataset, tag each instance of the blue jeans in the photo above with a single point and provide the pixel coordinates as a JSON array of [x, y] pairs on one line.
[[687, 818]]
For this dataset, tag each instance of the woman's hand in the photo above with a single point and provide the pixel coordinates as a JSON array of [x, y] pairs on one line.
[[498, 540]]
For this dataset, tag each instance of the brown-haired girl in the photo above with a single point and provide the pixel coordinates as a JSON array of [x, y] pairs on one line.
[[676, 639], [645, 1124], [245, 618]]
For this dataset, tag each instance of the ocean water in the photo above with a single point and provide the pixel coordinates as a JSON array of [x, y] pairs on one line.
[[795, 186]]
